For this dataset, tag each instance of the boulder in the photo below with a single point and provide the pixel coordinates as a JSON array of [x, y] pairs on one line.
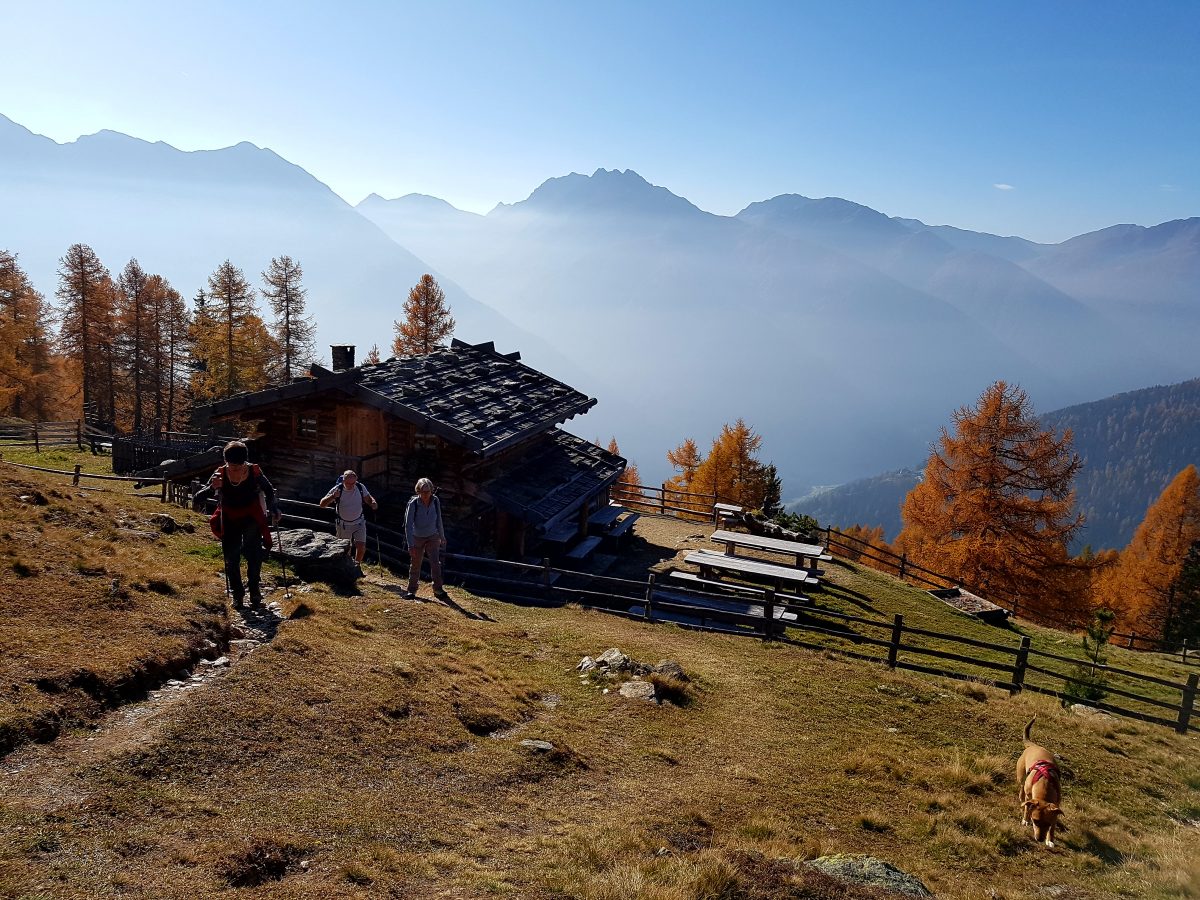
[[639, 690], [586, 664], [671, 669], [537, 746], [316, 556], [871, 872], [613, 660]]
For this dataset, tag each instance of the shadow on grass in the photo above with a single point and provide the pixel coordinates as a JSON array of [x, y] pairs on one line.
[[1094, 845]]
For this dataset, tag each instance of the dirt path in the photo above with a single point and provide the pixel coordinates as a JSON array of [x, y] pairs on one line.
[[39, 776]]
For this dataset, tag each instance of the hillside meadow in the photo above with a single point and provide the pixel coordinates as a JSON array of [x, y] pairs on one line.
[[371, 746]]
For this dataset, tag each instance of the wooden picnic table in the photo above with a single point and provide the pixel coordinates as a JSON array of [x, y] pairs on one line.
[[606, 515], [801, 551], [710, 562]]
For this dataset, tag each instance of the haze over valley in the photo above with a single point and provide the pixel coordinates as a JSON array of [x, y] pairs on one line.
[[845, 337]]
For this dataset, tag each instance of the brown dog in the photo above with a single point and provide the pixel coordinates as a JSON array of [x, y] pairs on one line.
[[1041, 790]]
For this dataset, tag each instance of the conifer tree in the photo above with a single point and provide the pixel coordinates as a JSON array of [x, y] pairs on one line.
[[687, 459], [629, 483], [28, 371], [427, 320], [230, 340], [732, 471], [291, 328], [372, 357], [175, 335], [1143, 586], [995, 507], [135, 342], [87, 298]]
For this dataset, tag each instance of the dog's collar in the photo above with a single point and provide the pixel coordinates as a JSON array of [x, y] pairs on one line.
[[1044, 769]]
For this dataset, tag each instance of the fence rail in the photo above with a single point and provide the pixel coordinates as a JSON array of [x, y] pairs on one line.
[[1011, 669]]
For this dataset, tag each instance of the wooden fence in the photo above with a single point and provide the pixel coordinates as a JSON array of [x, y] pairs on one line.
[[665, 501], [750, 611]]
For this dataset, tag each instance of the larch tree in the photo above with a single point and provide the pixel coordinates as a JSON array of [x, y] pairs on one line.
[[233, 349], [136, 342], [427, 320], [291, 327], [686, 459], [28, 370], [87, 307], [372, 357], [1143, 588], [175, 334], [732, 471], [629, 484], [996, 507]]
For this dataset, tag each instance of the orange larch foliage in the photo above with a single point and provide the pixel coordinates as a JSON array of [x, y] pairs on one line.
[[995, 508], [1141, 586]]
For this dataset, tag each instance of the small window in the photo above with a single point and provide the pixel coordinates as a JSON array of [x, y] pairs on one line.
[[306, 426], [427, 442]]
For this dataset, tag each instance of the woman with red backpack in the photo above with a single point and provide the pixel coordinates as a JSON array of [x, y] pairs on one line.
[[241, 520]]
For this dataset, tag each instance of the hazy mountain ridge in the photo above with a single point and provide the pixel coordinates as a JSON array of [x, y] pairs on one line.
[[841, 335], [868, 313], [1132, 445], [182, 213]]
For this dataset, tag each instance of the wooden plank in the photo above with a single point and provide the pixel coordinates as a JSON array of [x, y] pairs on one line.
[[744, 588], [584, 548], [744, 566], [623, 526], [777, 545], [606, 515]]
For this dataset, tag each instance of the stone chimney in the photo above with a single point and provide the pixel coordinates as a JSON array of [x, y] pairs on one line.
[[343, 356]]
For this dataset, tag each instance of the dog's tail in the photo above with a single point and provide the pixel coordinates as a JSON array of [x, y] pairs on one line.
[[1028, 728]]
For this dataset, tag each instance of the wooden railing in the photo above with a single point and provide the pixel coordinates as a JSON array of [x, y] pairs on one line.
[[39, 435], [1013, 667]]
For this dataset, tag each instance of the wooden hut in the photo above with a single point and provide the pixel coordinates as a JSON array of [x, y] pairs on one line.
[[479, 423]]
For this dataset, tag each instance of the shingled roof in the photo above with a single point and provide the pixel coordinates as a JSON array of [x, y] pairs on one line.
[[555, 480], [470, 395]]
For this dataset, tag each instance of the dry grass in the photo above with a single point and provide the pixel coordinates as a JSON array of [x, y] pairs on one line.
[[373, 749]]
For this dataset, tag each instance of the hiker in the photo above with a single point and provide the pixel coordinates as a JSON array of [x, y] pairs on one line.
[[241, 519], [348, 497], [425, 535]]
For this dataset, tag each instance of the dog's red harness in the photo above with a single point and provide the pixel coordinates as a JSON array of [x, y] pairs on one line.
[[1043, 769]]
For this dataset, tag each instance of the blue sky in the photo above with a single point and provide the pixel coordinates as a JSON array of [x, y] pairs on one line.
[[1041, 119]]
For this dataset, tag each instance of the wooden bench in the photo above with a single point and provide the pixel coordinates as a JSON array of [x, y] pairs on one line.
[[725, 511], [749, 569], [804, 554], [584, 548], [781, 596], [622, 527], [605, 516]]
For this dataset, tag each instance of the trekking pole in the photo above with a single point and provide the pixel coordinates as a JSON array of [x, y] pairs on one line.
[[378, 552], [287, 591]]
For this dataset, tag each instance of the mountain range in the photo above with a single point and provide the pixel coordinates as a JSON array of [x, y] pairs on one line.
[[1131, 446], [844, 336]]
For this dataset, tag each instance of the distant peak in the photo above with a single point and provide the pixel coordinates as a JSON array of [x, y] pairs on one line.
[[604, 191]]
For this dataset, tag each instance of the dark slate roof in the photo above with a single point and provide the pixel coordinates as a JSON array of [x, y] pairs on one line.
[[554, 480], [470, 395]]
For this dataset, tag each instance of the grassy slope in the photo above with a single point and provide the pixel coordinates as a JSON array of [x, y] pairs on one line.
[[358, 741]]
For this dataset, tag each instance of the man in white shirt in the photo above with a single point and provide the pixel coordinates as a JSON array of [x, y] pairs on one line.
[[350, 496]]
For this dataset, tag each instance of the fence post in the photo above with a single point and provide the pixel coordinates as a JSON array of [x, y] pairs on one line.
[[75, 477], [1189, 699], [894, 646], [648, 611], [37, 447], [1131, 634], [662, 500], [1018, 678], [162, 498], [1183, 652], [768, 612], [546, 576], [903, 563], [78, 434]]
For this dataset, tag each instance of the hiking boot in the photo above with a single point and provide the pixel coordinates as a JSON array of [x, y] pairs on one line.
[[410, 595], [239, 600], [441, 594], [255, 597]]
